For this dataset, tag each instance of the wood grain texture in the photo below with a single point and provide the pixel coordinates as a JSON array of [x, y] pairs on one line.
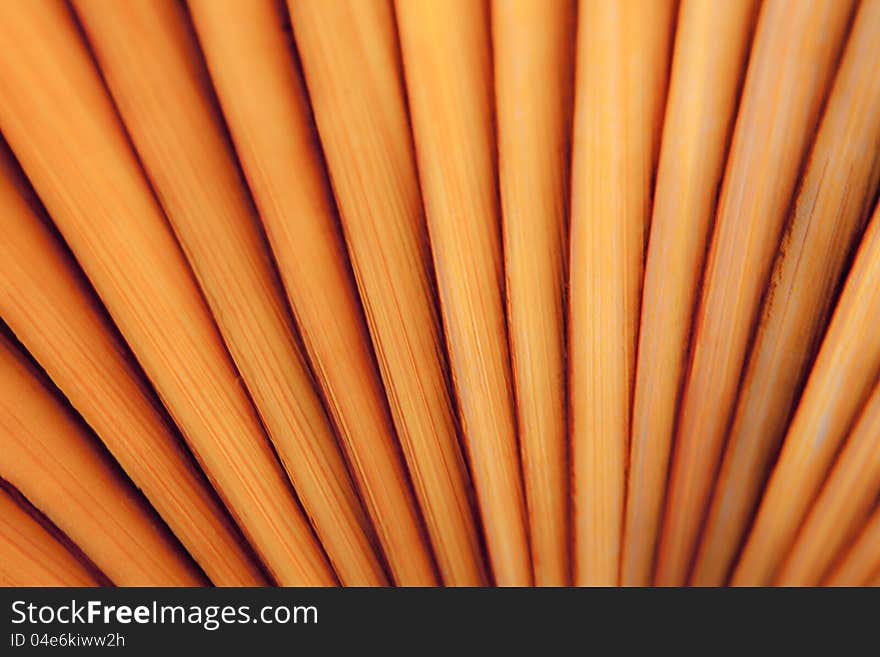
[[147, 54], [620, 90], [360, 110], [533, 44], [829, 214], [263, 97], [860, 565], [711, 45], [48, 304], [50, 457], [68, 139], [841, 381], [842, 507], [793, 58], [448, 64], [31, 556]]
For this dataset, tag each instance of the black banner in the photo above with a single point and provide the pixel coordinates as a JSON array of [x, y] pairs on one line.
[[432, 621]]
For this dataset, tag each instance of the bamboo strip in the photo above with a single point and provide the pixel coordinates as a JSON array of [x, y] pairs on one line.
[[843, 506], [622, 60], [262, 95], [357, 95], [67, 137], [51, 308], [845, 371], [792, 61], [55, 463], [533, 45], [148, 54], [31, 556], [448, 64], [711, 45], [828, 216], [860, 565]]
